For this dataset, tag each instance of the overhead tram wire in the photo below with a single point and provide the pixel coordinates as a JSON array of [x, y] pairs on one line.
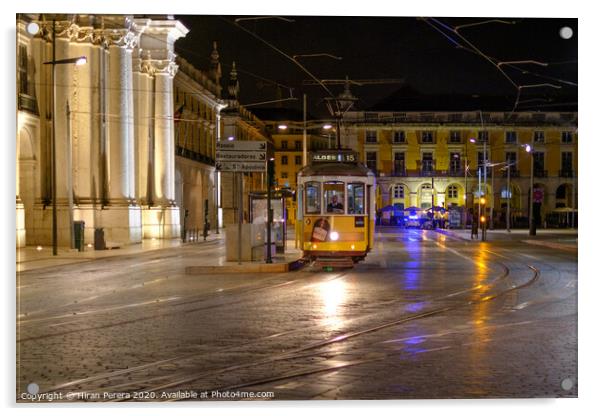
[[479, 52], [296, 62]]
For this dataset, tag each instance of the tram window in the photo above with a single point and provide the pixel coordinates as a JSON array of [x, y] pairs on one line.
[[312, 198], [334, 196], [355, 198]]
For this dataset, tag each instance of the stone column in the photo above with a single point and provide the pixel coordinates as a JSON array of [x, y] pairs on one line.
[[143, 112], [164, 137], [162, 220], [121, 218]]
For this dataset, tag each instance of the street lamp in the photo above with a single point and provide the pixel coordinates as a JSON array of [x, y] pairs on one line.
[[532, 230], [508, 193], [33, 28], [471, 140]]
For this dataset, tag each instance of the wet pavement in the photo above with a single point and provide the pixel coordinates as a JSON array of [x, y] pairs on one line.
[[425, 316]]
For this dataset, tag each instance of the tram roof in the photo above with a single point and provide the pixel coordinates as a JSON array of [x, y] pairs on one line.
[[336, 169]]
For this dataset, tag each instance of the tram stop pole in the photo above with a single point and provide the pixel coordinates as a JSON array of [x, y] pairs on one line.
[[270, 178]]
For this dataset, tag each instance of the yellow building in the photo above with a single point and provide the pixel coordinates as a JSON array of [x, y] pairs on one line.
[[421, 158]]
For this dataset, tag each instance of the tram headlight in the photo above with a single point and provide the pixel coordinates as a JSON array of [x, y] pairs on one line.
[[334, 236]]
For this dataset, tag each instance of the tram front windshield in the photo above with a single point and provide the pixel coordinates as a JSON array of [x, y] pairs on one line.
[[334, 197]]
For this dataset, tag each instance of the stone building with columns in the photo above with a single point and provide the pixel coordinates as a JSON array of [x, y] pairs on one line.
[[113, 125]]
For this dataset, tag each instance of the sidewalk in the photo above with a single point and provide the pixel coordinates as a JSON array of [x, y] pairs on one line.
[[562, 239], [212, 261], [281, 262], [32, 257]]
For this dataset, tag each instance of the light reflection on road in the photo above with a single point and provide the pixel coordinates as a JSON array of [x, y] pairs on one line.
[[333, 294]]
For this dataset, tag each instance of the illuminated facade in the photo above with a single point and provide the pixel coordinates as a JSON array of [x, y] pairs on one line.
[[114, 131], [420, 158]]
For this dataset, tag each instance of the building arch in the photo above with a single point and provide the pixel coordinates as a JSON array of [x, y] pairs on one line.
[[454, 195], [25, 183], [426, 195], [399, 194], [564, 196]]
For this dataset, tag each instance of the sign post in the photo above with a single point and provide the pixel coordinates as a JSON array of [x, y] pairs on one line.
[[240, 156]]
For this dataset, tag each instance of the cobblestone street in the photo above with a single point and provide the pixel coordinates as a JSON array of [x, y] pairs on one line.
[[426, 315]]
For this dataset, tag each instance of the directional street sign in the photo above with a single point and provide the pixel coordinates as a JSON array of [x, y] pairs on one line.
[[240, 156], [231, 156], [240, 166], [241, 145]]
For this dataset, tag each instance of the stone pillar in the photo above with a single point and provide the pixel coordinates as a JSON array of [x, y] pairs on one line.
[[143, 114], [164, 146], [121, 218], [162, 219]]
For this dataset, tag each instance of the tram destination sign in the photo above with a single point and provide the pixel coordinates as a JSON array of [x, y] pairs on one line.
[[240, 156], [334, 156]]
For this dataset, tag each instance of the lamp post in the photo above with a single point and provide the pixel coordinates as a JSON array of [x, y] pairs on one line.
[[532, 230], [33, 29], [471, 140]]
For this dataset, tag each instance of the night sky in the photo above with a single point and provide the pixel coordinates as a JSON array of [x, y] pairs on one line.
[[405, 48]]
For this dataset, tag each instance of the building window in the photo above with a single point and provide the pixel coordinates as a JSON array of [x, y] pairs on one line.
[[427, 137], [284, 144], [566, 164], [297, 160], [298, 145], [539, 136], [399, 163], [455, 162], [452, 191], [399, 136], [398, 191], [511, 137], [483, 136], [23, 85], [567, 137], [455, 136], [371, 136], [538, 164], [284, 160], [371, 161], [511, 162], [284, 175], [427, 162]]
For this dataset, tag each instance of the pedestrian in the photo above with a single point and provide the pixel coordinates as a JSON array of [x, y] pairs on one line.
[[474, 229]]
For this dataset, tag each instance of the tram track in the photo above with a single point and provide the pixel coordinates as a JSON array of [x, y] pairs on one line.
[[300, 352], [175, 302]]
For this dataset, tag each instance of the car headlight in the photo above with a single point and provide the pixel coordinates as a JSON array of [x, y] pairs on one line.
[[334, 236]]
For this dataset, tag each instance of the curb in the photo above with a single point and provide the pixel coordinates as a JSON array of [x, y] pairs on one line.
[[550, 244]]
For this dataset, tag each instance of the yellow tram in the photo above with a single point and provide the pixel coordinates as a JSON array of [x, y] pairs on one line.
[[335, 208]]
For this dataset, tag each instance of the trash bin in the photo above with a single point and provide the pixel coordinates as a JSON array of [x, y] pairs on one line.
[[78, 234], [99, 239]]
